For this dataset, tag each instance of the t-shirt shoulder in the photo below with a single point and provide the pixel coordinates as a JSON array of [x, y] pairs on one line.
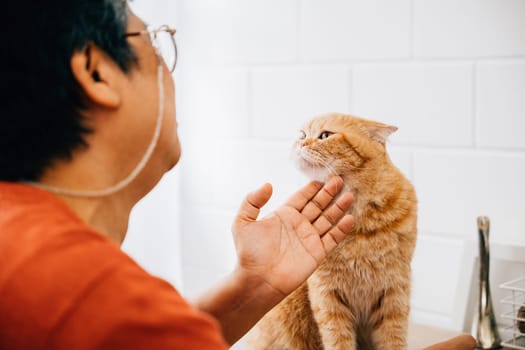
[[65, 286]]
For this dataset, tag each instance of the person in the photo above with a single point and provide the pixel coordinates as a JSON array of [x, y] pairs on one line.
[[90, 128]]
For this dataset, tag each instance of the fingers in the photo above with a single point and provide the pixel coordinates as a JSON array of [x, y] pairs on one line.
[[333, 237], [304, 195], [333, 225], [332, 215], [252, 204], [312, 199]]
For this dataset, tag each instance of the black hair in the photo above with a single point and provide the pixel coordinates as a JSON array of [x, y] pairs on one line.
[[42, 102]]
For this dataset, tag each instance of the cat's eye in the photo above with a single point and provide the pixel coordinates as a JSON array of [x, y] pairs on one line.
[[325, 134], [302, 135]]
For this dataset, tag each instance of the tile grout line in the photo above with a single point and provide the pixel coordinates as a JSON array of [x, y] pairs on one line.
[[474, 100]]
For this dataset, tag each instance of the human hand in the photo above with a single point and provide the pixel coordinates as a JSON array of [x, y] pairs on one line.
[[284, 248], [461, 342]]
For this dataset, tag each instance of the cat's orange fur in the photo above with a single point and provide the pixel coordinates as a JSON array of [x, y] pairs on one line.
[[359, 297]]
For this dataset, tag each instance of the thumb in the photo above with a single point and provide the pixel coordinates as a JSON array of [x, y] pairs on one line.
[[252, 204]]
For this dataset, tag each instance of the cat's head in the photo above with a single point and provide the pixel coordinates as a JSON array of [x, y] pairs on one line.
[[339, 144]]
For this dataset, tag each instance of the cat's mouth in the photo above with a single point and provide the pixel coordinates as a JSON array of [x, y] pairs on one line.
[[306, 160], [314, 165], [314, 158], [305, 164]]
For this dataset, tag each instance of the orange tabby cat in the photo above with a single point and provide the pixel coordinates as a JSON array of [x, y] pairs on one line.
[[359, 297]]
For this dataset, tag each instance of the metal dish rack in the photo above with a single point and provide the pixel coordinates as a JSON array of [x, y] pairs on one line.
[[511, 303]]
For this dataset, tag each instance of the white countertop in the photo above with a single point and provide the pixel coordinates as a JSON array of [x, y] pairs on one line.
[[420, 336]]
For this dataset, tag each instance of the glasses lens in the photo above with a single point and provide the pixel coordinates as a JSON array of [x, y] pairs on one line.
[[166, 46]]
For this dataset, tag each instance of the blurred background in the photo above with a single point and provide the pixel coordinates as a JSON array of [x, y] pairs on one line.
[[449, 73]]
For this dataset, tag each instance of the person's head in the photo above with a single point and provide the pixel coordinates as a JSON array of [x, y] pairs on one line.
[[74, 77]]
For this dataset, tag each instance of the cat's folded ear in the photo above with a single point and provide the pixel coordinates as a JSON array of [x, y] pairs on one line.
[[379, 132]]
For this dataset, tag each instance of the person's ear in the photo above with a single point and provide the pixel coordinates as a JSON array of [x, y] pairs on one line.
[[97, 74]]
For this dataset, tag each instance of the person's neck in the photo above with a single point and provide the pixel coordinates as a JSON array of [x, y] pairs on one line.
[[107, 215], [99, 167]]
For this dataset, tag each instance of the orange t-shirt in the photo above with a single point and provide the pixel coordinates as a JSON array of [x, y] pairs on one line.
[[65, 286]]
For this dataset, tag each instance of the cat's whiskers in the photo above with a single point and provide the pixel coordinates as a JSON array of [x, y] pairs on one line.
[[316, 156], [344, 166], [318, 162]]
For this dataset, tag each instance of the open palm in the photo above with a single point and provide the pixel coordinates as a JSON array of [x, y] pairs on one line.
[[287, 246]]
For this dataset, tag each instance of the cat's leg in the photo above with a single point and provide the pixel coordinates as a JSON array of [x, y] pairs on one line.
[[391, 319], [334, 319], [289, 326]]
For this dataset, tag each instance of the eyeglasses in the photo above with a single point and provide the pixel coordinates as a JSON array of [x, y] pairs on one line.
[[163, 39]]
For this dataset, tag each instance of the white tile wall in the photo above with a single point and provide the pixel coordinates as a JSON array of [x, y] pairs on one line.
[[234, 168], [285, 97], [456, 187], [501, 104], [238, 31], [402, 159], [214, 102], [154, 234], [431, 103], [469, 28], [449, 73], [437, 281], [156, 12], [210, 236], [335, 30]]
